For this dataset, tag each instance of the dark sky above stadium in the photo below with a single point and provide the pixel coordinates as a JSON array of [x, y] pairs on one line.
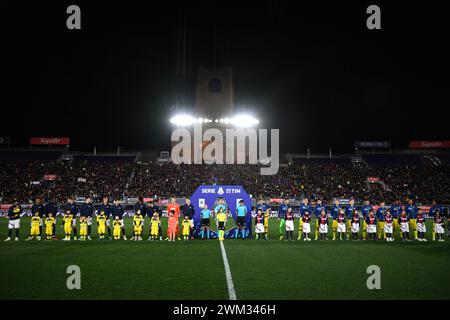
[[314, 71]]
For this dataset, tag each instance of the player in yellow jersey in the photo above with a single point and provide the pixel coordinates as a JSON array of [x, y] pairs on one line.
[[101, 225], [67, 223], [49, 223], [221, 221], [266, 223], [186, 227], [138, 222], [117, 228], [83, 228], [35, 222], [154, 227]]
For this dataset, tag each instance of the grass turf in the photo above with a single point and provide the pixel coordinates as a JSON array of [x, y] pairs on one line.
[[261, 269]]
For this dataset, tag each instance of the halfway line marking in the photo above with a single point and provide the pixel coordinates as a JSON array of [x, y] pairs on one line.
[[231, 291]]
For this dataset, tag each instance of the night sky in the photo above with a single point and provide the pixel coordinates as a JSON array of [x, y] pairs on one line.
[[315, 72]]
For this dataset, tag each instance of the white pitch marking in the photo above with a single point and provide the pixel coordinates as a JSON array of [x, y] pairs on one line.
[[231, 291]]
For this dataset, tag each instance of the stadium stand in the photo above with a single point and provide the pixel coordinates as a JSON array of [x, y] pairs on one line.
[[380, 177]]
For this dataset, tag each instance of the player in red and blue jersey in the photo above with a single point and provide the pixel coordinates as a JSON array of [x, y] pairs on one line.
[[371, 221], [341, 219], [421, 227], [289, 224], [403, 220], [306, 219], [355, 225], [304, 207], [388, 225]]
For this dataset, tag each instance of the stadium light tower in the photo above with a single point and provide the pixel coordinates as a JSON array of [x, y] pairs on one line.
[[182, 120], [244, 121]]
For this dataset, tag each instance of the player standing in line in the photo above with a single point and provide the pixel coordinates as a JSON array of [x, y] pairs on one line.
[[259, 224], [431, 213], [388, 226], [138, 222], [303, 208], [439, 226], [102, 219], [348, 216], [141, 206], [151, 210], [221, 221], [411, 211], [317, 211], [189, 210], [381, 211], [68, 225], [117, 228], [334, 214], [83, 228], [365, 209], [421, 227], [186, 227], [241, 213], [172, 225], [155, 226], [117, 211], [323, 225], [87, 211], [289, 224], [105, 207], [396, 210], [51, 206], [35, 225], [206, 223], [404, 225], [371, 221], [306, 225], [341, 219], [355, 225], [49, 224], [14, 213], [282, 210], [38, 208], [71, 209], [173, 205], [266, 222]]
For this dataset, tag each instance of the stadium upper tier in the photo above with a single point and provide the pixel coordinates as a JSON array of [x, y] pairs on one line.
[[52, 174]]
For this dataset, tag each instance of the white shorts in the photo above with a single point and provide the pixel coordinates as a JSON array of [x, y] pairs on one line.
[[121, 223], [421, 227], [14, 224], [89, 221], [404, 226], [388, 228], [191, 223], [74, 222], [289, 225], [371, 228], [108, 223], [323, 228], [439, 228], [306, 227], [355, 227], [41, 222], [341, 227], [259, 228]]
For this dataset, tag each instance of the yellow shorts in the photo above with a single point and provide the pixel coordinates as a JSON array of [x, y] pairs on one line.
[[186, 231], [396, 225], [349, 225], [34, 231], [381, 226], [364, 225], [49, 231], [154, 231], [116, 232], [101, 229], [413, 224], [300, 225], [68, 228], [335, 225]]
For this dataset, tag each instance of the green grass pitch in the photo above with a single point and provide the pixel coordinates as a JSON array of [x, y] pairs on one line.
[[261, 269]]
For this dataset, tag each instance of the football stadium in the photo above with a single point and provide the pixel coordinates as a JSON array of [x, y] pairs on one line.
[[225, 151]]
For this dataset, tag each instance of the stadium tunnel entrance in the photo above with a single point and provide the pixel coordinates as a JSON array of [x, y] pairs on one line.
[[210, 195]]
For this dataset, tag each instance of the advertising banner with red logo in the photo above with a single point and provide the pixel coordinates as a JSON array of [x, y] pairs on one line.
[[444, 144], [50, 141], [50, 177]]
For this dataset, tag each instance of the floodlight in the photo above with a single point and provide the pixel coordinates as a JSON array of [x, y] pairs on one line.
[[244, 121], [182, 120]]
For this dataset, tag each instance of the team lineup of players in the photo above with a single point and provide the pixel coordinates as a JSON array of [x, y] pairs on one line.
[[345, 222]]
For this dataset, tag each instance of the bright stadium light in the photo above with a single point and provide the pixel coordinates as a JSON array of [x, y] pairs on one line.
[[182, 120], [244, 121]]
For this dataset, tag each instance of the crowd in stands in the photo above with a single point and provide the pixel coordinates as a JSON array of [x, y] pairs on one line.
[[313, 180]]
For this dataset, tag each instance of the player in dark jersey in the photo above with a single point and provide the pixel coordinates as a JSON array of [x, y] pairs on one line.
[[289, 224], [421, 227], [71, 209], [39, 209], [306, 219], [105, 207], [355, 225], [14, 213], [371, 221], [341, 220], [439, 225]]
